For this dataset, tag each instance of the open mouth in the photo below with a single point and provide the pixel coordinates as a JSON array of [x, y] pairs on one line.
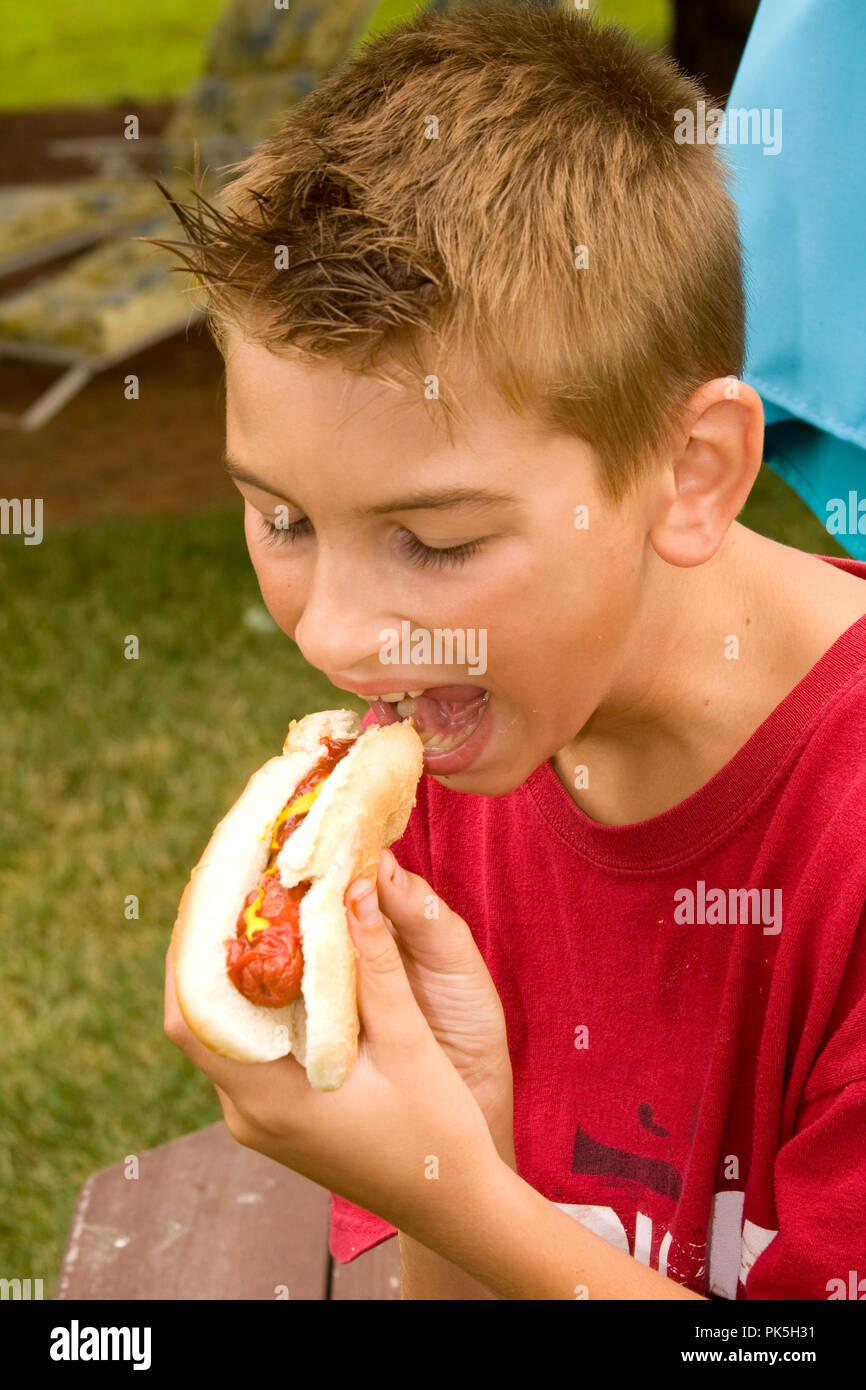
[[445, 716]]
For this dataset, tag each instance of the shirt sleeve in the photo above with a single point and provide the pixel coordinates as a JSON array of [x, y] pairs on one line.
[[819, 1173], [819, 1251], [354, 1231]]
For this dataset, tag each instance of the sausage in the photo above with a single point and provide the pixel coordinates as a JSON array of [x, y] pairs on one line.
[[265, 959]]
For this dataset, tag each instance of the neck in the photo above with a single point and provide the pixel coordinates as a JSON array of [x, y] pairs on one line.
[[706, 664]]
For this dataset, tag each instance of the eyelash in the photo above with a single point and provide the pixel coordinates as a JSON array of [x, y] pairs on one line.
[[417, 552]]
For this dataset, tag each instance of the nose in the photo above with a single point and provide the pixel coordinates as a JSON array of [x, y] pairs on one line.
[[342, 614]]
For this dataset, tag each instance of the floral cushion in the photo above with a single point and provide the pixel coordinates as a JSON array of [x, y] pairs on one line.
[[107, 299], [229, 117], [34, 215], [261, 60], [254, 35]]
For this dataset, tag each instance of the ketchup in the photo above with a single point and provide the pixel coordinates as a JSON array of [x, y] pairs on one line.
[[269, 969]]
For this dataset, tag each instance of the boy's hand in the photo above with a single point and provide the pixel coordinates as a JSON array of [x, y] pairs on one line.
[[454, 991], [403, 1106]]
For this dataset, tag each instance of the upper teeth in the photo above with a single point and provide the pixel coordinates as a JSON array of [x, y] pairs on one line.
[[397, 695]]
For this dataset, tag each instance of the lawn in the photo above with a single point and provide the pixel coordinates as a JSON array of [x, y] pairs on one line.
[[114, 773], [100, 52], [115, 770]]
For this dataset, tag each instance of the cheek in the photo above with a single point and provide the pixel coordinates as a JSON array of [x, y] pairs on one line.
[[278, 591], [563, 622], [276, 580], [252, 534]]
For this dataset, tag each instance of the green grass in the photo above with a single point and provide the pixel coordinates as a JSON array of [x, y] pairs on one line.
[[651, 21], [98, 52], [115, 772]]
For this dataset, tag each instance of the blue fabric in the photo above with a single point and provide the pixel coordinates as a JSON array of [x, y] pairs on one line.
[[802, 214]]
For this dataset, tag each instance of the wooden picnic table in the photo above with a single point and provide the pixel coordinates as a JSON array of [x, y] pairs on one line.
[[207, 1219]]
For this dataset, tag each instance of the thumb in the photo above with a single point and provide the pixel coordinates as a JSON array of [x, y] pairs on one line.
[[385, 998], [430, 932]]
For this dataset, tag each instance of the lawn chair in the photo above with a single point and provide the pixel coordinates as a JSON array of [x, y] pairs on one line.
[[206, 1219], [258, 61], [41, 221], [120, 298]]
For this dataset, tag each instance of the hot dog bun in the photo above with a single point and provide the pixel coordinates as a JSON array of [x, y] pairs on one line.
[[364, 805]]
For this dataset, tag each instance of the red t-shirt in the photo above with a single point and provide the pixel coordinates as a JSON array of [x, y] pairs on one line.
[[689, 1059]]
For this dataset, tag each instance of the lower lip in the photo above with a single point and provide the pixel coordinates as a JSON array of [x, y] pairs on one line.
[[463, 756], [458, 759]]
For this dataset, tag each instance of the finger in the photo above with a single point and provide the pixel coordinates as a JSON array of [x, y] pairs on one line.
[[426, 926], [173, 1021], [387, 1008], [239, 1078], [231, 1114]]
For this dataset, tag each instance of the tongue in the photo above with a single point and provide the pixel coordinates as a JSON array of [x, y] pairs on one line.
[[451, 709]]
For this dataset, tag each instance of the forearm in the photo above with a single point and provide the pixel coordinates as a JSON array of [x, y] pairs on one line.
[[427, 1275], [521, 1246]]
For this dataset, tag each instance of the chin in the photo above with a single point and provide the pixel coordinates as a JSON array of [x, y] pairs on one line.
[[488, 783]]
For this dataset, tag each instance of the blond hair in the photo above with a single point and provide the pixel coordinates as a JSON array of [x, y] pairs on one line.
[[425, 207]]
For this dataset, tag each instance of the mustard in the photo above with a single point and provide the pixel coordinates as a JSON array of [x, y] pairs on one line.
[[255, 923], [299, 807]]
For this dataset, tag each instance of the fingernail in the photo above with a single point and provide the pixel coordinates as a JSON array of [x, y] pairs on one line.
[[366, 906]]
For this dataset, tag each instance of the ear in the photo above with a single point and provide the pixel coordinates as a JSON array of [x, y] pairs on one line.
[[714, 460]]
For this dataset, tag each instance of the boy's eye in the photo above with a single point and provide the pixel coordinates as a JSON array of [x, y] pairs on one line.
[[274, 534], [421, 554], [416, 551]]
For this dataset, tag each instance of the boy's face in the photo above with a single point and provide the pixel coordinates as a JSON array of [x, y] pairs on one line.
[[548, 612]]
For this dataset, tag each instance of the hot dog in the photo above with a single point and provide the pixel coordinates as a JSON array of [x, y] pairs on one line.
[[263, 961]]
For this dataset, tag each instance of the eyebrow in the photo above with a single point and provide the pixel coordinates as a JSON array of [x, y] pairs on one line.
[[415, 501]]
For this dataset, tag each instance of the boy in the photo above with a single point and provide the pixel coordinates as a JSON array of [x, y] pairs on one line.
[[475, 263]]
